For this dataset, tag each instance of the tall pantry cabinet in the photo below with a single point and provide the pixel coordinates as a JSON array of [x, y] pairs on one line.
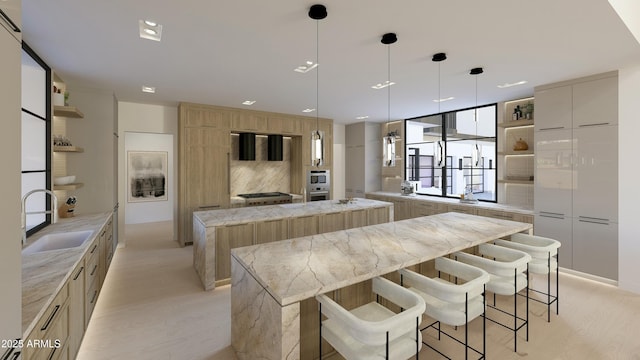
[[10, 259], [576, 171]]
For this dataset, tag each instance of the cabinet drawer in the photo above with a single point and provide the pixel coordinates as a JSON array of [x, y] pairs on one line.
[[92, 269], [424, 208], [463, 209], [496, 214], [90, 304], [52, 314]]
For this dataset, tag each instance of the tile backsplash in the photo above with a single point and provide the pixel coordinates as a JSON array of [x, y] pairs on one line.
[[260, 175]]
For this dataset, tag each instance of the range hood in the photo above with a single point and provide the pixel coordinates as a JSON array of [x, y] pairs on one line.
[[274, 148], [247, 151]]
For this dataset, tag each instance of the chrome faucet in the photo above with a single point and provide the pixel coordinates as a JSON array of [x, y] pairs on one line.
[[25, 213]]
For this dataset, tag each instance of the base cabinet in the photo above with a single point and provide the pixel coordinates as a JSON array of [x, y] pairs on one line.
[[76, 308], [595, 247], [227, 238], [558, 228], [49, 337]]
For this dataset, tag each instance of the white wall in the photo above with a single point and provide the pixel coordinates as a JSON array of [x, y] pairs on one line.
[[338, 176], [151, 211], [628, 130], [93, 167], [145, 118]]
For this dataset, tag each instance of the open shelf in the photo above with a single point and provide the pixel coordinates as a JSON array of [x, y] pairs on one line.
[[521, 182], [514, 152], [76, 149], [73, 186], [67, 111], [516, 123]]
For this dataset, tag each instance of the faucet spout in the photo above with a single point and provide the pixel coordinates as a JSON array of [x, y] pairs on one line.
[[24, 212]]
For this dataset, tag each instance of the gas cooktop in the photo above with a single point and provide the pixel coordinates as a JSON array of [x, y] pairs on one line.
[[268, 198]]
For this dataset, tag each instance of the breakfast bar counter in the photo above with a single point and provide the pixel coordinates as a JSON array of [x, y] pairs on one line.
[[269, 282]]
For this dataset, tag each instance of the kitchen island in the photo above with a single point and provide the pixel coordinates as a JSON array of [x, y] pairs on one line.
[[216, 232], [271, 284]]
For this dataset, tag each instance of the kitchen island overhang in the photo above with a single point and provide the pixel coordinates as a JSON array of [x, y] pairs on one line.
[[268, 282]]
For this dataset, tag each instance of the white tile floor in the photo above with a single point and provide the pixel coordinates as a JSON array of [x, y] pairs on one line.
[[152, 306]]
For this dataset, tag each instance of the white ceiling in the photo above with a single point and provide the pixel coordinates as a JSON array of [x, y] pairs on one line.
[[225, 52]]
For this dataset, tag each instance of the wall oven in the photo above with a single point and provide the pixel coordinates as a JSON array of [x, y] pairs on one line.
[[318, 185]]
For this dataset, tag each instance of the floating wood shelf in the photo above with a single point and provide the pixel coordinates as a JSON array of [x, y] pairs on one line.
[[516, 123], [513, 152], [73, 186], [67, 111], [76, 149], [521, 182]]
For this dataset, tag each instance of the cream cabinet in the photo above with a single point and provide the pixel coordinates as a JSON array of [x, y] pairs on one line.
[[595, 247], [554, 172], [554, 108], [595, 102]]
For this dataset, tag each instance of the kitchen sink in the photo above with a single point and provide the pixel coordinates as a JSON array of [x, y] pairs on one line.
[[58, 241]]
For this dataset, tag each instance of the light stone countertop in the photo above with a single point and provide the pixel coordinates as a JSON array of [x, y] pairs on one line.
[[451, 201], [232, 216], [297, 269], [45, 273]]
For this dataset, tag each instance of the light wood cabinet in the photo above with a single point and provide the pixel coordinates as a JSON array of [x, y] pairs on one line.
[[52, 329], [271, 230], [76, 308], [303, 226], [284, 125], [250, 122], [401, 209], [463, 209], [378, 215], [204, 174], [227, 238], [332, 222], [357, 218], [193, 115], [426, 208]]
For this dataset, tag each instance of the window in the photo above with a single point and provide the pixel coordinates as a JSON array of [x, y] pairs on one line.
[[449, 152], [36, 132]]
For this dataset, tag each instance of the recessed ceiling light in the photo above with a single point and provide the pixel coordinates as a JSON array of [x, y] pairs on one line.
[[248, 102], [362, 117], [507, 85], [148, 89], [308, 110], [308, 66], [148, 31], [383, 85], [443, 100]]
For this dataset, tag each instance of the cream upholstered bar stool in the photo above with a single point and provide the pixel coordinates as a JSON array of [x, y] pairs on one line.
[[372, 331], [508, 273], [544, 260], [452, 303]]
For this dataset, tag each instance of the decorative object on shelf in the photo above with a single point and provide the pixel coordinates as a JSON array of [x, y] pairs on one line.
[[517, 113], [389, 141], [520, 145], [66, 210], [58, 97], [317, 12], [437, 146], [59, 140], [64, 180], [528, 111], [147, 173]]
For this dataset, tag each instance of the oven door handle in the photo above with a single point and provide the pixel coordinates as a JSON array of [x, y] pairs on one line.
[[323, 192]]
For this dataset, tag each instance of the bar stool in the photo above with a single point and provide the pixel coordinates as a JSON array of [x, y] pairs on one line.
[[449, 302], [506, 268], [372, 331], [544, 260]]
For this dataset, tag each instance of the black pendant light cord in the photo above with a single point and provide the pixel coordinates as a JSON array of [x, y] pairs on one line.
[[317, 75], [389, 83]]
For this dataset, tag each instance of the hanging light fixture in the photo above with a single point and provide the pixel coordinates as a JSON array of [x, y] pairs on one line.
[[476, 154], [438, 148], [317, 12], [389, 141]]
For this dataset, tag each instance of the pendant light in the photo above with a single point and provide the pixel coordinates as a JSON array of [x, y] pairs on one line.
[[389, 141], [317, 12], [438, 148], [476, 154]]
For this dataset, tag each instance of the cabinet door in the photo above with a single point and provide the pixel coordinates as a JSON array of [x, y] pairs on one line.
[[595, 248], [272, 230], [76, 309], [425, 208], [378, 215], [12, 9], [595, 102], [554, 172], [401, 209], [357, 218], [303, 226], [596, 180], [463, 209], [553, 108], [196, 116], [283, 125], [227, 238], [249, 122], [332, 222], [204, 174], [557, 228]]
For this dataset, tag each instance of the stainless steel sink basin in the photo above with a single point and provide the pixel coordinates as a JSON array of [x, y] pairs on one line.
[[58, 241]]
